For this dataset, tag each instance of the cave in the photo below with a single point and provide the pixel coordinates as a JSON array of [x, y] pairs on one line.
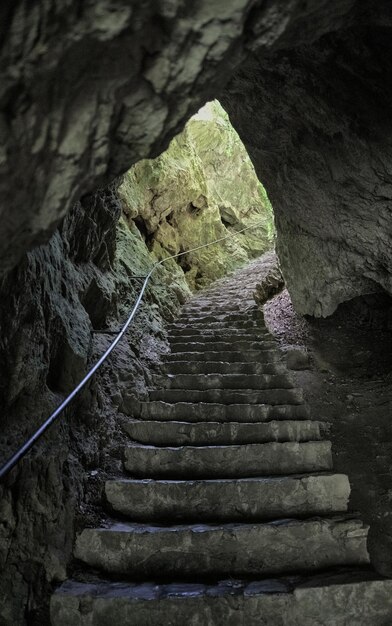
[[277, 347]]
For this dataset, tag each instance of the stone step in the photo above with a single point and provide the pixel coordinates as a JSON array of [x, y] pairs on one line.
[[220, 303], [228, 396], [229, 302], [175, 433], [216, 314], [205, 306], [223, 346], [224, 381], [193, 335], [200, 326], [343, 598], [223, 320], [207, 412], [262, 549], [240, 312], [250, 356], [233, 461], [211, 341], [216, 307], [219, 367], [228, 500], [230, 290]]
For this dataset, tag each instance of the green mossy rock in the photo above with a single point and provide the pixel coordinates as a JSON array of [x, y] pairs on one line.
[[202, 188]]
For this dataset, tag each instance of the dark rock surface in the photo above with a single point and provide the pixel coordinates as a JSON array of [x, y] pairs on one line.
[[292, 602], [89, 89], [49, 307], [316, 122], [348, 385]]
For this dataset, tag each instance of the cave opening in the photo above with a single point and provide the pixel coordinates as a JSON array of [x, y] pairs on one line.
[[202, 188]]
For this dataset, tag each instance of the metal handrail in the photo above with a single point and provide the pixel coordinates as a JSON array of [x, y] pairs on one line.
[[29, 443]]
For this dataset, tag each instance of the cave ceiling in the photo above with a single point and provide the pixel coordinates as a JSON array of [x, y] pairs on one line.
[[90, 88]]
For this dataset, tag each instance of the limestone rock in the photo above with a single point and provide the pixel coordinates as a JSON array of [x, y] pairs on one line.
[[78, 282], [87, 91], [272, 284], [201, 189], [315, 123]]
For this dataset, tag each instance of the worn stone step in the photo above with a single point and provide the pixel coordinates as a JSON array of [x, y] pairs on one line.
[[233, 461], [193, 335], [215, 314], [220, 313], [219, 302], [210, 340], [237, 321], [176, 433], [248, 356], [229, 396], [211, 308], [225, 300], [200, 412], [223, 327], [242, 347], [348, 598], [200, 326], [229, 500], [229, 290], [219, 367], [224, 381], [224, 550], [205, 306]]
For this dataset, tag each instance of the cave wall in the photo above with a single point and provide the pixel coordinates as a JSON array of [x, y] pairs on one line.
[[317, 124], [50, 306], [90, 88], [87, 89]]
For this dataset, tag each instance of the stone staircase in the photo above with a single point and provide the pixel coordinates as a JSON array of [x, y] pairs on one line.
[[231, 514]]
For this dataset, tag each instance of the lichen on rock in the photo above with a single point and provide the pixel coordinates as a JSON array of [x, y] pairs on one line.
[[202, 188]]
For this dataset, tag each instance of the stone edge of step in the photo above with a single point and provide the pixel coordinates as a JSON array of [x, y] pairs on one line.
[[98, 587], [319, 443], [331, 520]]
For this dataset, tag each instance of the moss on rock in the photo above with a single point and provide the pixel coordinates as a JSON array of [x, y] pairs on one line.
[[202, 188]]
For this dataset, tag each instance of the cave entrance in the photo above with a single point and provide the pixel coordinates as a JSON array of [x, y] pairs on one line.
[[200, 189]]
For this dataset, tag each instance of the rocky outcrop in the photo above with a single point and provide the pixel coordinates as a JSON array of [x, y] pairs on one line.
[[202, 188], [316, 121], [271, 282], [50, 307]]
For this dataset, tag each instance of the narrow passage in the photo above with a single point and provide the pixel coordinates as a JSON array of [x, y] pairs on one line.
[[230, 512]]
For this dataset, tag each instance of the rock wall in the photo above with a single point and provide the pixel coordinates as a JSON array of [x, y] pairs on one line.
[[316, 122], [202, 188], [49, 308], [90, 88]]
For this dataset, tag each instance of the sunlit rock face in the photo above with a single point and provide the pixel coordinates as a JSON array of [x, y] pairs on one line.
[[317, 123], [89, 88], [203, 188]]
